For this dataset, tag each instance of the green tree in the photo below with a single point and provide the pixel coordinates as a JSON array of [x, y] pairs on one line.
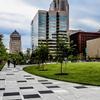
[[20, 58], [65, 49], [72, 49], [28, 55], [3, 53], [33, 57], [41, 54], [62, 52]]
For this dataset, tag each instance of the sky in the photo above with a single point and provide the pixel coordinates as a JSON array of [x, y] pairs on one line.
[[18, 14]]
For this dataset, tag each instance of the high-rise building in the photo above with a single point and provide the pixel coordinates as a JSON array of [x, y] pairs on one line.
[[39, 27], [47, 25], [15, 42], [59, 5]]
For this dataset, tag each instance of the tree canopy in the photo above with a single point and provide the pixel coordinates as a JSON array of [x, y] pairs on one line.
[[3, 53]]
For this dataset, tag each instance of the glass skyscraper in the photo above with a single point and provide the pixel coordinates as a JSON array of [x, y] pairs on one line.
[[47, 24], [38, 28], [52, 19], [59, 5]]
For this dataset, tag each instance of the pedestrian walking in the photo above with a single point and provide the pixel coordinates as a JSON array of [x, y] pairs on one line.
[[14, 62], [8, 63]]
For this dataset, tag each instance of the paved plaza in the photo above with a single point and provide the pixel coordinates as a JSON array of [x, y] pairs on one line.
[[15, 84]]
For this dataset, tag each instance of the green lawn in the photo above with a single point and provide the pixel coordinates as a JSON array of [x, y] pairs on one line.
[[85, 73]]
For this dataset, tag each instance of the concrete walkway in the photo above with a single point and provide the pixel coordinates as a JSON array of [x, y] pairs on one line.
[[15, 84]]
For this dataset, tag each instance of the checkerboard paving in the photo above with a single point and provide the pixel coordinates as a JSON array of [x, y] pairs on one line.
[[15, 84]]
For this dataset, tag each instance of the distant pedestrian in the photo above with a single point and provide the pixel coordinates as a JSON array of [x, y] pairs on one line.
[[14, 62], [8, 63], [65, 59]]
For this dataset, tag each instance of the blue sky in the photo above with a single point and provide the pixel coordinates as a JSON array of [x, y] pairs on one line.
[[17, 14]]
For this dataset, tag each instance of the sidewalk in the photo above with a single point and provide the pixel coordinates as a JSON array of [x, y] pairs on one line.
[[15, 84]]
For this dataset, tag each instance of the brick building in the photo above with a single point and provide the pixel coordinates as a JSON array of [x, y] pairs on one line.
[[80, 38]]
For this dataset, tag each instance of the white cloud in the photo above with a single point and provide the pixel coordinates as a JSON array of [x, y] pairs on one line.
[[15, 14], [13, 25], [26, 41], [85, 24], [89, 22], [73, 25], [6, 41], [17, 7]]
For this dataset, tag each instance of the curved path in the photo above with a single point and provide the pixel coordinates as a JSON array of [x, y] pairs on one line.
[[15, 84]]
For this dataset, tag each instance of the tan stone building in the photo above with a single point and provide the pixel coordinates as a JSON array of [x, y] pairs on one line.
[[93, 48], [15, 42]]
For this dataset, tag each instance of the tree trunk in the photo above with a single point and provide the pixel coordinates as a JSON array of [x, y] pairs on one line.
[[61, 68]]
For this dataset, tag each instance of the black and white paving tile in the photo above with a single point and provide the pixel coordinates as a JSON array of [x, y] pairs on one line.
[[15, 84]]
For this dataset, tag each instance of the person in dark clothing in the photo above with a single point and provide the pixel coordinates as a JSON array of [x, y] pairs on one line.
[[8, 63], [14, 62]]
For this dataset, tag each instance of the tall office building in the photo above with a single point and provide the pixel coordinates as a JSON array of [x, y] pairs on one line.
[[15, 42], [59, 5], [48, 25], [39, 27]]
